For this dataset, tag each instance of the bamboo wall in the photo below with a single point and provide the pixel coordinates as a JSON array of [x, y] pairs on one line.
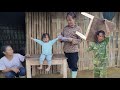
[[53, 22]]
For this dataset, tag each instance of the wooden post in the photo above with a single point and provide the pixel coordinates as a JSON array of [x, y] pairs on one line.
[[28, 69], [33, 70], [64, 68]]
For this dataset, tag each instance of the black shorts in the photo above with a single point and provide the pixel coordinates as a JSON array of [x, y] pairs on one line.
[[72, 59]]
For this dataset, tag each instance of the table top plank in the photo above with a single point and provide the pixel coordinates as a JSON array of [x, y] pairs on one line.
[[55, 57]]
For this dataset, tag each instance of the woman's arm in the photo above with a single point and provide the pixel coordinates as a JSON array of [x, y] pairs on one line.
[[60, 37], [76, 40], [27, 56], [7, 70], [20, 57], [16, 70], [64, 39], [4, 69]]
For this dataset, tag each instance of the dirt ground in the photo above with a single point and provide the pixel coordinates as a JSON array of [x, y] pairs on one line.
[[112, 73]]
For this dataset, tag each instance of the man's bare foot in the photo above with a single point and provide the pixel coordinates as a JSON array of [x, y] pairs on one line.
[[48, 69]]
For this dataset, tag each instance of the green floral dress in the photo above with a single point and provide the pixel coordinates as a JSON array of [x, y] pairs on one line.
[[100, 58]]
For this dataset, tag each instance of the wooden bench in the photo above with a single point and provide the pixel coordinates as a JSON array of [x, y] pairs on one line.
[[57, 59]]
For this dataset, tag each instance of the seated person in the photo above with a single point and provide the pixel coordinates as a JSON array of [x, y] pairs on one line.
[[10, 63]]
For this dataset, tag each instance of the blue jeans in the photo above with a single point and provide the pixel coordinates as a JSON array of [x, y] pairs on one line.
[[12, 74]]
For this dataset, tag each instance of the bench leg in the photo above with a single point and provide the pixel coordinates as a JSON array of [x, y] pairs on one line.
[[33, 70], [61, 69], [64, 69], [28, 70]]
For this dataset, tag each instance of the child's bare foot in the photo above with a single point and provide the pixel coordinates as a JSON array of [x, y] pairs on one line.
[[48, 69], [39, 67]]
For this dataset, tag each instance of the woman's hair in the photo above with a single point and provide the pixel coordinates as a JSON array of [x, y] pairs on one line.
[[44, 35], [4, 48], [97, 33], [73, 14]]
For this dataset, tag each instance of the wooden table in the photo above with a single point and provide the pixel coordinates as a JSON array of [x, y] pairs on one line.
[[57, 59]]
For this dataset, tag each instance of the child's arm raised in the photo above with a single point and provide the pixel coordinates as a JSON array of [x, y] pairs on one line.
[[107, 34], [53, 41], [107, 40], [38, 41]]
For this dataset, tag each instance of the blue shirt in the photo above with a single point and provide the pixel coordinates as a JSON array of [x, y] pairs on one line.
[[46, 46]]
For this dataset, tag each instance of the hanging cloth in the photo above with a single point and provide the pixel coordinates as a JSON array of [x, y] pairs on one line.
[[108, 15]]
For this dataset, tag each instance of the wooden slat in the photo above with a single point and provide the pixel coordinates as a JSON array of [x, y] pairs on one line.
[[37, 26], [34, 30], [32, 34], [27, 28], [119, 41], [39, 34], [30, 27]]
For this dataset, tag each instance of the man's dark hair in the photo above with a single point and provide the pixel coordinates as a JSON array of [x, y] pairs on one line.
[[97, 33]]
